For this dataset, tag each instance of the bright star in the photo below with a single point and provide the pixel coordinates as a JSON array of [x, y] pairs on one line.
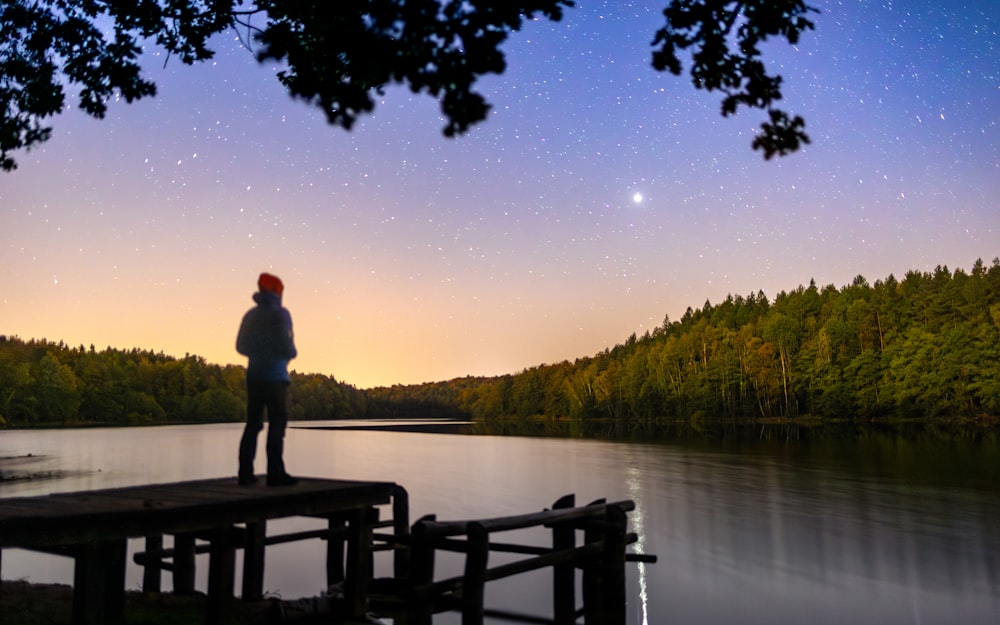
[[637, 198]]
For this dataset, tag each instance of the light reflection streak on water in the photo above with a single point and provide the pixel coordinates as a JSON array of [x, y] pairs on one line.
[[635, 491]]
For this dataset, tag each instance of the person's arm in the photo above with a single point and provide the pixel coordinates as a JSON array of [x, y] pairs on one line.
[[243, 337], [289, 336]]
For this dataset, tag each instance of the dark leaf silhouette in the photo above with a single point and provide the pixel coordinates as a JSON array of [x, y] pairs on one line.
[[340, 55]]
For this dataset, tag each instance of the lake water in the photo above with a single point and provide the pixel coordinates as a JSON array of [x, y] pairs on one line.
[[871, 530]]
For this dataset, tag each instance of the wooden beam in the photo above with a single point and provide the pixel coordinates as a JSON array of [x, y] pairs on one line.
[[564, 574], [253, 561]]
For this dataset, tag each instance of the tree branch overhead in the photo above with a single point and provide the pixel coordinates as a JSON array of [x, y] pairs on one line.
[[340, 56]]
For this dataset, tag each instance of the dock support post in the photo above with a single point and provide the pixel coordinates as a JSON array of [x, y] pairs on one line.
[[564, 575], [604, 579], [253, 561], [99, 583], [221, 574], [420, 610], [360, 525], [614, 563], [152, 571], [335, 549], [593, 592], [401, 530], [474, 580], [184, 564]]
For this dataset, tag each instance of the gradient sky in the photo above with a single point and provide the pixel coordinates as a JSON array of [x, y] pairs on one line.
[[598, 197]]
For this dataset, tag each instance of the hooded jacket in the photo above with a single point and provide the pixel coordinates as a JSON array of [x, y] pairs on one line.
[[265, 338]]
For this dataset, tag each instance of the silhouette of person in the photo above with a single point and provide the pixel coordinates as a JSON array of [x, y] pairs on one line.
[[265, 338]]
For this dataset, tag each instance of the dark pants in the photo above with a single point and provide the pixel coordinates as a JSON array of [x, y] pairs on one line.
[[261, 396]]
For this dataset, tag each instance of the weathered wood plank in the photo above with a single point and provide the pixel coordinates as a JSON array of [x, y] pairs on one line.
[[90, 516], [549, 518], [93, 527]]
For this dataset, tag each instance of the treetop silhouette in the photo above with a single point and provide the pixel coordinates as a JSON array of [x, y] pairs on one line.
[[340, 55]]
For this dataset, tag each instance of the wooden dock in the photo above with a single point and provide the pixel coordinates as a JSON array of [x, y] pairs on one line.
[[590, 539], [93, 527], [219, 517]]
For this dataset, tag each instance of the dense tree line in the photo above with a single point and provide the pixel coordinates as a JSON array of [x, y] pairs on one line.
[[341, 56], [45, 383], [926, 346]]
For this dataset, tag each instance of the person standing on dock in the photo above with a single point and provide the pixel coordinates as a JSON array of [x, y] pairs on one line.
[[265, 338]]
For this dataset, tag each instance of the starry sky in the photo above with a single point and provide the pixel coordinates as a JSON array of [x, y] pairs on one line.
[[599, 197]]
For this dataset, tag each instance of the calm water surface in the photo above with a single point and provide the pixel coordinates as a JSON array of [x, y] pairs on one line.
[[864, 533]]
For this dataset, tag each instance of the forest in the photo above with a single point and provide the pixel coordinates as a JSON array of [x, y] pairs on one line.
[[926, 346], [51, 384]]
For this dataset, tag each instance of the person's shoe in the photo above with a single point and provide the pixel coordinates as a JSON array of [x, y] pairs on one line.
[[281, 480], [247, 480]]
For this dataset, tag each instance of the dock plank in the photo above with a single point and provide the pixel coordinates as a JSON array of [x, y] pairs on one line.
[[93, 526], [135, 511]]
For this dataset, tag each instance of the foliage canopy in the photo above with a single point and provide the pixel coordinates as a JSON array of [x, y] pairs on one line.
[[926, 346], [340, 55]]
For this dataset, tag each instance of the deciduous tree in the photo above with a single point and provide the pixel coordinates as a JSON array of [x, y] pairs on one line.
[[341, 55]]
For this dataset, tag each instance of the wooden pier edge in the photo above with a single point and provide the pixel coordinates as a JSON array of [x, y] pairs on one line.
[[219, 518], [92, 527], [601, 556]]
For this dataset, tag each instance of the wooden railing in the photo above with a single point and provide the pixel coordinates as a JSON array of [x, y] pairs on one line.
[[413, 596], [592, 539], [343, 535]]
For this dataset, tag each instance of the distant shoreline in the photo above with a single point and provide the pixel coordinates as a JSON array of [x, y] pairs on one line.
[[442, 427]]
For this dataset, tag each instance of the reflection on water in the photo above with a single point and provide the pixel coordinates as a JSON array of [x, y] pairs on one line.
[[880, 530], [823, 549], [638, 519]]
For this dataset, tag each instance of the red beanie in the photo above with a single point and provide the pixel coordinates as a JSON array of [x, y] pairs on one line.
[[268, 282]]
